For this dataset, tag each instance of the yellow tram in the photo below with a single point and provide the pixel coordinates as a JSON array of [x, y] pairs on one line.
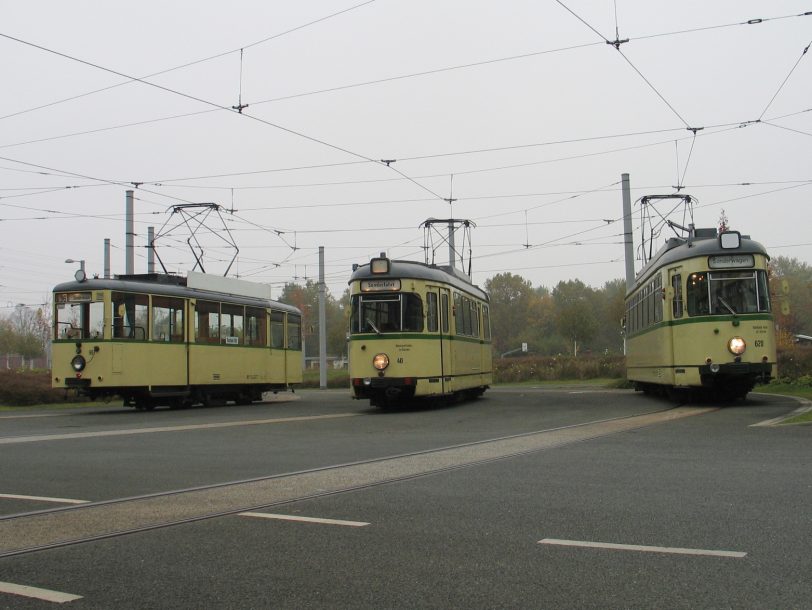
[[158, 339], [417, 331], [699, 317]]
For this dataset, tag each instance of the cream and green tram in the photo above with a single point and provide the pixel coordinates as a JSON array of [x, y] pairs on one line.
[[417, 331], [157, 339], [699, 317]]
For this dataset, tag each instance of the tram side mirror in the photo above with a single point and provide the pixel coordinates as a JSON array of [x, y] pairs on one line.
[[784, 287], [730, 240], [785, 308]]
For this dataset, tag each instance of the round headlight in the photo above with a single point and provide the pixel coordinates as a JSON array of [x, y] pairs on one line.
[[78, 363], [736, 345], [380, 361]]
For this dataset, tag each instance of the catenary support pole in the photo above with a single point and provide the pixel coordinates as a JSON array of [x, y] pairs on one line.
[[322, 323], [627, 231]]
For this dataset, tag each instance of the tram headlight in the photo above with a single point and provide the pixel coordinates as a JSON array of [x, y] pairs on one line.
[[380, 361], [78, 363], [736, 346]]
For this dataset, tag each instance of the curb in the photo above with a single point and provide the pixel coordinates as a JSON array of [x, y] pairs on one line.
[[805, 407]]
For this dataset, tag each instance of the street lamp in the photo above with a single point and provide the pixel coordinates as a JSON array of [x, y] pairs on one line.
[[80, 274]]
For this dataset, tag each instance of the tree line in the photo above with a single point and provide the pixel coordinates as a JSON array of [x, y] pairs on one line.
[[570, 318]]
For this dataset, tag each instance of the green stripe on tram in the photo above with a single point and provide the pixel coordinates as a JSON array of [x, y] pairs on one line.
[[701, 320]]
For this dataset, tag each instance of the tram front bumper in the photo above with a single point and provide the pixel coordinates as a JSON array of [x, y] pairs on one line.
[[753, 371], [389, 388]]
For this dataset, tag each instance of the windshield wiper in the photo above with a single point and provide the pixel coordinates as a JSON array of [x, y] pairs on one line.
[[372, 325], [725, 304]]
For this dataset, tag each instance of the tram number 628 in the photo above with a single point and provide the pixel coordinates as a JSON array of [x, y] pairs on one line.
[[758, 343]]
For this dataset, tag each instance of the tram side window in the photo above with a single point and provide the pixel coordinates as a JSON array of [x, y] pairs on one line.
[[207, 322], [277, 330], [676, 305], [167, 319], [231, 324], [294, 332], [763, 291], [486, 322], [444, 312], [432, 321], [255, 327], [696, 293], [130, 316]]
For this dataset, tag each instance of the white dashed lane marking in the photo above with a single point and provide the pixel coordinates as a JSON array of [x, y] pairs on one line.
[[47, 595], [304, 519], [43, 499], [642, 549]]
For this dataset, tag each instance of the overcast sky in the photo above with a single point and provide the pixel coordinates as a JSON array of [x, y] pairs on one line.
[[518, 110]]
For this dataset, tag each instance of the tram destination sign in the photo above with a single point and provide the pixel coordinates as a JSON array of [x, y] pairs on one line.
[[380, 285], [731, 261]]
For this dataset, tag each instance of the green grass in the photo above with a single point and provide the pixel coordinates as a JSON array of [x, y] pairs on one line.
[[786, 389]]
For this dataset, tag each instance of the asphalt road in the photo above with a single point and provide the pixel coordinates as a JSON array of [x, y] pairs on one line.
[[553, 498]]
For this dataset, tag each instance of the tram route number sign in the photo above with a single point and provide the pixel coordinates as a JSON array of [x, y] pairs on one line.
[[379, 285]]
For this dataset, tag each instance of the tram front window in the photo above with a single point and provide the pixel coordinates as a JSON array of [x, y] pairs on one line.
[[77, 317], [386, 313], [727, 293]]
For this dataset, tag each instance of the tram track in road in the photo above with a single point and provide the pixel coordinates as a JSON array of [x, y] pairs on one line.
[[53, 528]]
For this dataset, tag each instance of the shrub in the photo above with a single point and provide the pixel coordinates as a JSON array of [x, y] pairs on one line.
[[21, 388]]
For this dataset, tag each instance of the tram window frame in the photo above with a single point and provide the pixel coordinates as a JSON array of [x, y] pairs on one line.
[[412, 312], [167, 317], [277, 330], [444, 317], [294, 331], [207, 322], [677, 306], [486, 322], [432, 313], [130, 315], [232, 324], [256, 327]]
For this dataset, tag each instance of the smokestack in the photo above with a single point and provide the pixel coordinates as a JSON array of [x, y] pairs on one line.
[[129, 251]]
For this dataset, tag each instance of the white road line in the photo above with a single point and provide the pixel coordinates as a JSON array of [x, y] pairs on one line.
[[43, 499], [11, 440], [304, 519], [642, 549], [37, 593]]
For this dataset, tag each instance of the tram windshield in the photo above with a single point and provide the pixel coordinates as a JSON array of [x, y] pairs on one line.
[[386, 313], [78, 317], [727, 293]]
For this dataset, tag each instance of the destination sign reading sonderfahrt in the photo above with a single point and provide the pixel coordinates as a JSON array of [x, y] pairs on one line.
[[379, 285]]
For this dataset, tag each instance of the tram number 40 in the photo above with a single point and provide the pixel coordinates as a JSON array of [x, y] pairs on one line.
[[758, 343], [400, 360]]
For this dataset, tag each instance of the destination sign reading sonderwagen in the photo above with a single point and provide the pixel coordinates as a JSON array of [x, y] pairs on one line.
[[729, 261]]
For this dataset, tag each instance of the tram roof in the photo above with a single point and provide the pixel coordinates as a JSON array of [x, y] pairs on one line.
[[168, 285], [705, 242], [443, 274]]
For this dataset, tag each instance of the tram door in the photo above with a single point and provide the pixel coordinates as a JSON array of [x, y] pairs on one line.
[[676, 345], [446, 369]]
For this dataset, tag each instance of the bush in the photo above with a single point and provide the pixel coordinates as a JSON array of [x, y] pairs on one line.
[[555, 368], [22, 388]]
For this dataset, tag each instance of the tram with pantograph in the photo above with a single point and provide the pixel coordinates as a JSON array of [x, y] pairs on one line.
[[699, 317], [418, 330], [168, 340]]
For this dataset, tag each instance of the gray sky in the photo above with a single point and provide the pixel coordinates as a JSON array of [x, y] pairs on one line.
[[523, 102]]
